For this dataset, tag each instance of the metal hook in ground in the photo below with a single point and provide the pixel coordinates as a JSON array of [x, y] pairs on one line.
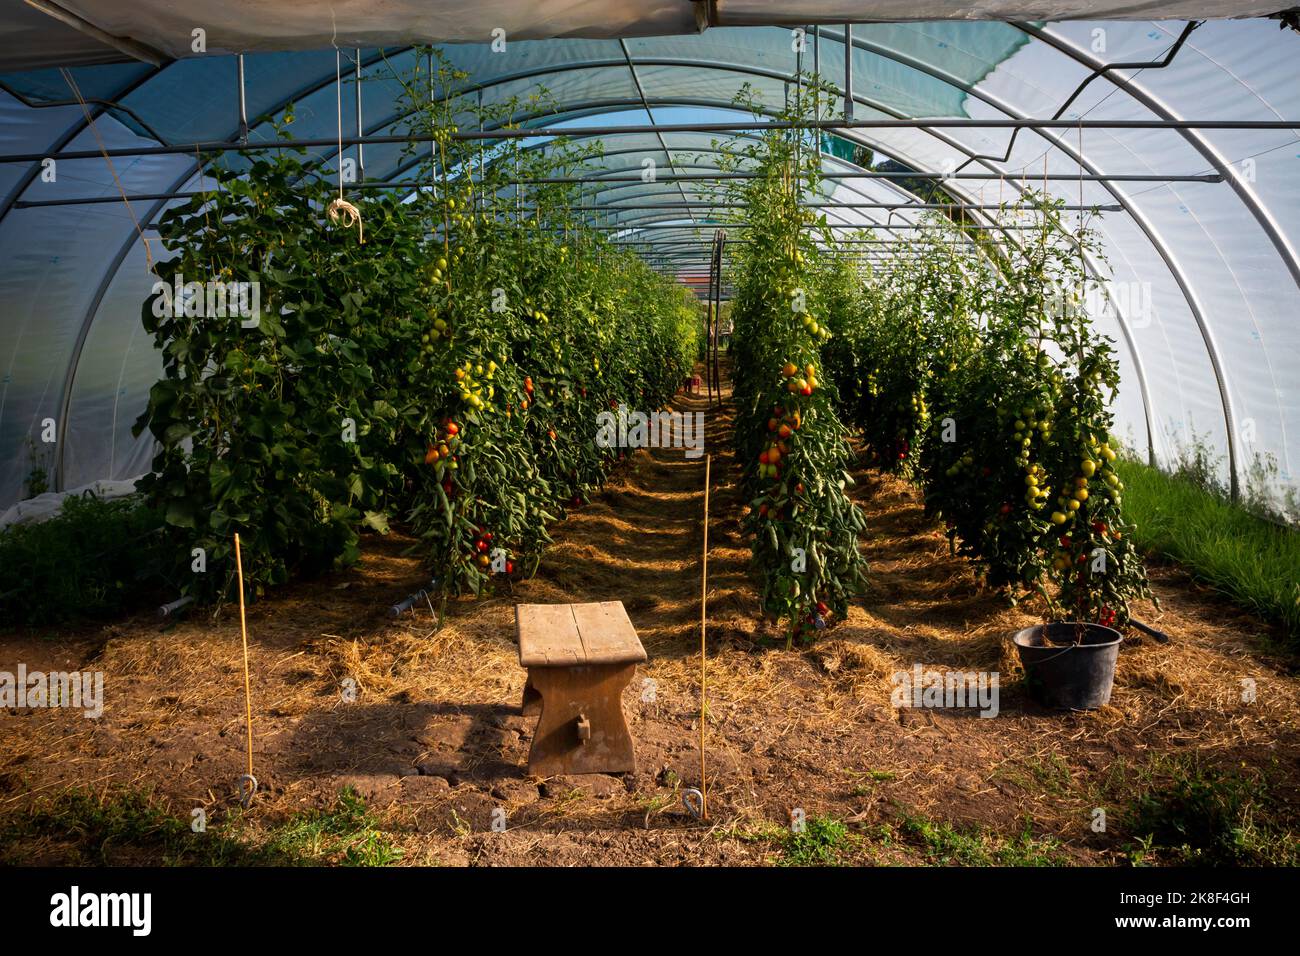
[[247, 787]]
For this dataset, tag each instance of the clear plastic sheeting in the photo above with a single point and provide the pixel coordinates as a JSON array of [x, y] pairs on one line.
[[47, 505], [750, 12], [70, 32], [1203, 277]]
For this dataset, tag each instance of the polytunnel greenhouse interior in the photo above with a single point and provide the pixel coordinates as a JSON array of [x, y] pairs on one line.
[[1199, 239], [717, 377]]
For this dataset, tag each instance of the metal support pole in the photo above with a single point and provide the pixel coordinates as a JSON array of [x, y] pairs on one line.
[[848, 72], [709, 319], [433, 147], [132, 48], [601, 207], [636, 226], [645, 104], [817, 53], [243, 102], [480, 196], [620, 130], [361, 130], [881, 174], [717, 317]]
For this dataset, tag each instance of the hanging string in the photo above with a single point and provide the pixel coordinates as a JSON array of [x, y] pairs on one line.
[[340, 209], [90, 122], [1081, 211]]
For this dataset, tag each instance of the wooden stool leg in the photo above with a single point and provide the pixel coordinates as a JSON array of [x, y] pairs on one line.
[[581, 729], [532, 703]]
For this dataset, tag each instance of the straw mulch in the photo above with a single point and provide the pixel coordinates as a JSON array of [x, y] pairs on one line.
[[434, 738]]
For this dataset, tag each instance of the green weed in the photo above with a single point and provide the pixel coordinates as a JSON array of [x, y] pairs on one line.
[[944, 845], [823, 841], [1209, 817], [135, 828]]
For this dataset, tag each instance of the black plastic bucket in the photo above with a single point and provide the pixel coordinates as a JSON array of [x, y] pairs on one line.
[[1066, 675]]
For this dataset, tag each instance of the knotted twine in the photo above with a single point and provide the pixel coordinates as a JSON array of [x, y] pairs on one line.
[[340, 209]]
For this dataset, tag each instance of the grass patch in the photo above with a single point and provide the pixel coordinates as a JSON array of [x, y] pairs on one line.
[[1048, 774], [823, 841], [869, 778], [1250, 560], [347, 835], [133, 828], [943, 845], [1199, 816], [128, 828]]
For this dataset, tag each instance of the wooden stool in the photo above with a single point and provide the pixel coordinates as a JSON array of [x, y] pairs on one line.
[[579, 658]]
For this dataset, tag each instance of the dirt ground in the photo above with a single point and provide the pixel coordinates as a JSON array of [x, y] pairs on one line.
[[434, 739]]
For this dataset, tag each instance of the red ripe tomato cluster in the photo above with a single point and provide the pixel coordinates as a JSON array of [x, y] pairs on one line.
[[781, 428], [443, 446], [800, 382], [482, 555]]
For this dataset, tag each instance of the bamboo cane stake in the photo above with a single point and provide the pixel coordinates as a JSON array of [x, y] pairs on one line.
[[243, 630]]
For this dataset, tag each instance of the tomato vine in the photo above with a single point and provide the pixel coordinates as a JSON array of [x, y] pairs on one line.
[[789, 438], [446, 373]]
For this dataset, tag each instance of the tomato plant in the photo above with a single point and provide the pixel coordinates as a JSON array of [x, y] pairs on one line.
[[981, 374], [446, 373], [789, 439], [898, 344], [270, 426]]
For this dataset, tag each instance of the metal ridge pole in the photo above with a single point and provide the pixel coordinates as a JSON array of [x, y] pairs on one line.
[[741, 126]]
